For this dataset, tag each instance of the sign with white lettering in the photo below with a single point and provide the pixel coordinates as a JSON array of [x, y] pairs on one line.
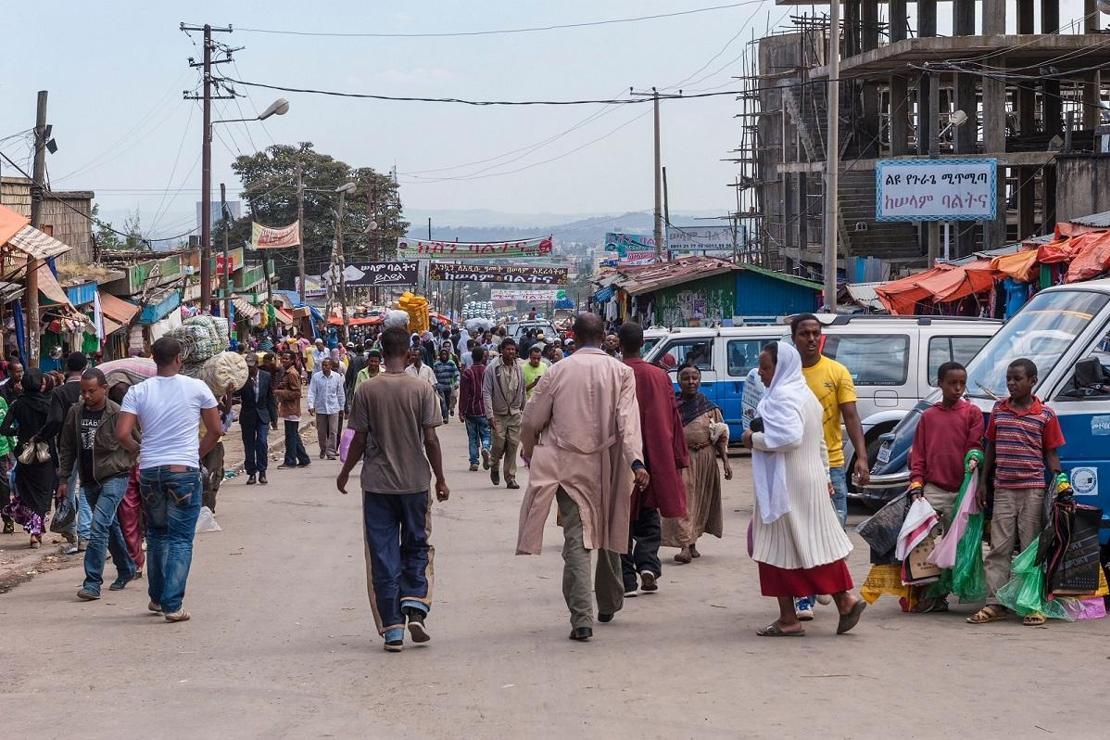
[[398, 272], [936, 189], [533, 295], [475, 273]]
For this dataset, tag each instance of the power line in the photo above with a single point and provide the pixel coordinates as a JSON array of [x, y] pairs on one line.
[[500, 31], [478, 103]]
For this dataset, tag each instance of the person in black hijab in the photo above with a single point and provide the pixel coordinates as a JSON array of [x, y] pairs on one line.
[[29, 419]]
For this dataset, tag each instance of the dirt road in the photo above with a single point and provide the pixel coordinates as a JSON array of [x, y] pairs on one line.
[[282, 644]]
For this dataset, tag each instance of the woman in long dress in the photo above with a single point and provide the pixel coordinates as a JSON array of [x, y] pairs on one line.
[[797, 539], [35, 482], [706, 440]]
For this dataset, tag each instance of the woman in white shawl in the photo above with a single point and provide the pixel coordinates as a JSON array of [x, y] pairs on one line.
[[796, 538]]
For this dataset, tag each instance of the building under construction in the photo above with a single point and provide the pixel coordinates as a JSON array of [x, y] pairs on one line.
[[1033, 100]]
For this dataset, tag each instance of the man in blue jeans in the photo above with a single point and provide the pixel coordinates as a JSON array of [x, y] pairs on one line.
[[87, 443], [472, 408], [395, 419], [168, 408]]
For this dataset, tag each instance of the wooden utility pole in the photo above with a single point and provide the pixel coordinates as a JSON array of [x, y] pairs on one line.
[[659, 230], [300, 225], [342, 264], [38, 174]]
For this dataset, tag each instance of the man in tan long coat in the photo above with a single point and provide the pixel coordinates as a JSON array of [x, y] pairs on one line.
[[581, 437]]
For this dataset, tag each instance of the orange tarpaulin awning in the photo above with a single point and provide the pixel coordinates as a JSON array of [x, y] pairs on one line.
[[900, 296], [1061, 250], [1019, 265], [941, 284], [1092, 258], [10, 223]]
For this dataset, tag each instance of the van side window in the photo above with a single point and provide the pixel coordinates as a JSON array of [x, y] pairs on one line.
[[1090, 380], [697, 352], [743, 355], [948, 349], [872, 359]]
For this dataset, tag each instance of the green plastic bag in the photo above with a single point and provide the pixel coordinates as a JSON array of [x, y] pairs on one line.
[[967, 578], [1024, 592]]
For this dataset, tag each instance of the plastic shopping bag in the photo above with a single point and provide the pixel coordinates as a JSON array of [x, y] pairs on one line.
[[345, 443], [919, 522], [206, 521], [64, 517], [1024, 592]]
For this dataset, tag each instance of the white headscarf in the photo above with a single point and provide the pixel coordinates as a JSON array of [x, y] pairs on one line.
[[783, 425]]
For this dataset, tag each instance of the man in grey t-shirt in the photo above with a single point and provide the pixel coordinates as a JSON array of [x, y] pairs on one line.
[[395, 420]]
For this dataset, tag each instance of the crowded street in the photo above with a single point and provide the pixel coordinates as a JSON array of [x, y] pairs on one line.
[[282, 644]]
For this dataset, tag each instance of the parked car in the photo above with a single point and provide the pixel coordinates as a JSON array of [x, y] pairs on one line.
[[1065, 331], [518, 330], [893, 361], [651, 338]]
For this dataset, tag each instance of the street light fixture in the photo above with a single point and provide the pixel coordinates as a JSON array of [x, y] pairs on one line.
[[277, 108]]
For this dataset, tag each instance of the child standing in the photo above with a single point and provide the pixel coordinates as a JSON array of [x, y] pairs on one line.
[[1022, 438], [948, 430]]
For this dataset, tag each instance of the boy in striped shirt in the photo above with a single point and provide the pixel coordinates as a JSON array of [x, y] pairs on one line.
[[1023, 435]]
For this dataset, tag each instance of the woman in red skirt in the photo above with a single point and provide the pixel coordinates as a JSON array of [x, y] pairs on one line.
[[796, 537]]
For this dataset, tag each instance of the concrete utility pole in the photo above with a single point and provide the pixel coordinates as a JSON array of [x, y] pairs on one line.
[[300, 225], [206, 157], [659, 230], [832, 156], [341, 261], [38, 181]]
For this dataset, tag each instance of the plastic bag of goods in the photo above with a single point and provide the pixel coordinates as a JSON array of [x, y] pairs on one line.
[[396, 318], [216, 326], [206, 522], [220, 371], [478, 325], [417, 308]]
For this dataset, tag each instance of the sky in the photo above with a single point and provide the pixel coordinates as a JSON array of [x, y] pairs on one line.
[[116, 71]]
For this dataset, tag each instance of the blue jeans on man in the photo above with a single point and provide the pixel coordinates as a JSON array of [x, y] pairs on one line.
[[477, 430], [105, 534], [295, 453], [171, 504], [76, 495], [255, 447], [400, 556]]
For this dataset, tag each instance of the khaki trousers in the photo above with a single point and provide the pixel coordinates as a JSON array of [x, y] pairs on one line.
[[505, 429], [943, 502], [327, 433], [577, 589], [1017, 519]]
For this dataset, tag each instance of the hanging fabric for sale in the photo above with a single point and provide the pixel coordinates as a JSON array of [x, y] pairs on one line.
[[920, 520], [960, 553]]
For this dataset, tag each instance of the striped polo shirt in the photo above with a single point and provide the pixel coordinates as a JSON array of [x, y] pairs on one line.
[[1021, 436]]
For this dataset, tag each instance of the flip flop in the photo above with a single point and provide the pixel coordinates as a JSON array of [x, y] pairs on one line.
[[851, 619], [1034, 620], [774, 630]]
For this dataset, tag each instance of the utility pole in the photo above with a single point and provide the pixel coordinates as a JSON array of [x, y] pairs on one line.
[[37, 194], [832, 156], [666, 214], [300, 225], [342, 264], [654, 94], [206, 157], [226, 268]]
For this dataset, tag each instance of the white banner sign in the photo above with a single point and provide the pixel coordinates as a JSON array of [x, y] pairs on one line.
[[522, 294], [700, 239], [936, 189]]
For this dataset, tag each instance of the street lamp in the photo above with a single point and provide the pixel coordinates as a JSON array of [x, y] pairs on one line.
[[277, 108]]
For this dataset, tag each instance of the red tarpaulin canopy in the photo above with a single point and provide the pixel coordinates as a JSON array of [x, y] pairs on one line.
[[1092, 256]]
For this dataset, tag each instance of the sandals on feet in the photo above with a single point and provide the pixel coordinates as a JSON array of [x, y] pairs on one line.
[[987, 614], [851, 619], [1033, 620], [774, 630]]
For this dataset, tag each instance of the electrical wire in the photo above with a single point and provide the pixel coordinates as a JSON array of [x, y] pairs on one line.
[[500, 31], [159, 210], [477, 103]]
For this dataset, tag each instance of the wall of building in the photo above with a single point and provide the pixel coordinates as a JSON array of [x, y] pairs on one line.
[[696, 303], [761, 295], [1083, 185], [65, 216]]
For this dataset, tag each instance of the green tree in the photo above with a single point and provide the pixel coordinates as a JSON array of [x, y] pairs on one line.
[[269, 182]]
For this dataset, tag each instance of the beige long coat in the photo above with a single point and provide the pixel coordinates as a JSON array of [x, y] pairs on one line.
[[581, 428]]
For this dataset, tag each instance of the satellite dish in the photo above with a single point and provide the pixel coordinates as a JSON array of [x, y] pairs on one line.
[[959, 118]]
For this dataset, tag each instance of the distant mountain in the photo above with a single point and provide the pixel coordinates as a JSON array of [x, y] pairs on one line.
[[589, 229]]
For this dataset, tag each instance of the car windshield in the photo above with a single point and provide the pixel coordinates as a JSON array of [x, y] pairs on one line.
[[1041, 332]]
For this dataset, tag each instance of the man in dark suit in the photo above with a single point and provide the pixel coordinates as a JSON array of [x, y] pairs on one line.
[[258, 409]]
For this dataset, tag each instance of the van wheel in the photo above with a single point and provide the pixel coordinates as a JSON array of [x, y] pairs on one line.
[[873, 446]]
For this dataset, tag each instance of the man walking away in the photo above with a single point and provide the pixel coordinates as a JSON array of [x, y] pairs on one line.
[[503, 397], [581, 437], [88, 443], [395, 420], [256, 412], [62, 399], [447, 379], [289, 409], [326, 401], [472, 409], [168, 408], [664, 445]]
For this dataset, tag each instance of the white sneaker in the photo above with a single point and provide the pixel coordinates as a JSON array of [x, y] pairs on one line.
[[824, 599], [805, 615]]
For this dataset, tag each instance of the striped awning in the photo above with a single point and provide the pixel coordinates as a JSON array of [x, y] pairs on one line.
[[37, 244], [244, 308]]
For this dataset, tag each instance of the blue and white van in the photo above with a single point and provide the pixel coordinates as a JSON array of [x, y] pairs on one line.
[[1065, 330]]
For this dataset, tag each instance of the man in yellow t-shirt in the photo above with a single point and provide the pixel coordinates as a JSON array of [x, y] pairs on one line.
[[832, 384]]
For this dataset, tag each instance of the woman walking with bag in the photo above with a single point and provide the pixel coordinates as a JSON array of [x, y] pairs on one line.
[[797, 539], [36, 467]]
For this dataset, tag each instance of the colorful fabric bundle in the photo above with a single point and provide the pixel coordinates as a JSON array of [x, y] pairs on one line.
[[887, 579], [919, 522], [960, 551]]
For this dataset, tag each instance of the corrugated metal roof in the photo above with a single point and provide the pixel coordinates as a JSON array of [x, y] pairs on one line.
[[864, 294], [1095, 220], [649, 278]]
